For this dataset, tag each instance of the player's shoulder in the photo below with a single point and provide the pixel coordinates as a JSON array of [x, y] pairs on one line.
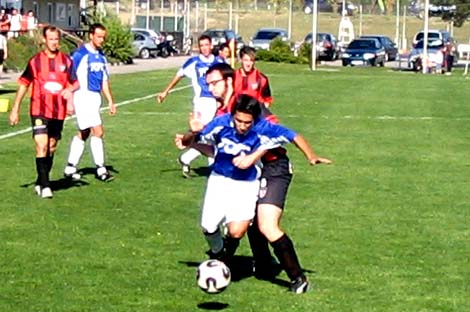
[[192, 60]]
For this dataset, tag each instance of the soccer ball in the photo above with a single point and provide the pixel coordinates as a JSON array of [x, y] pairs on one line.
[[213, 276]]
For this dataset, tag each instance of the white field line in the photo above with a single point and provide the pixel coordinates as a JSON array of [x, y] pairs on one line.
[[29, 129]]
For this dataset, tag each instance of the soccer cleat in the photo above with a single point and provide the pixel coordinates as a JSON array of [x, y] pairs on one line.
[[216, 256], [46, 192], [300, 285], [103, 175], [70, 172], [185, 169], [37, 189]]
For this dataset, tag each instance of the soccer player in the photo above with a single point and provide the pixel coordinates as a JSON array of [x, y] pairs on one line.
[[53, 80], [204, 103], [232, 187], [90, 67], [249, 80], [275, 179]]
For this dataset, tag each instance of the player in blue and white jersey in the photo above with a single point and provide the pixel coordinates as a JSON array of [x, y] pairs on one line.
[[204, 104], [90, 66], [232, 190]]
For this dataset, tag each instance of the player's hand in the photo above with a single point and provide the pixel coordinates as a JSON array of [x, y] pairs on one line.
[[112, 109], [244, 161], [161, 96], [14, 117], [320, 160], [66, 94], [179, 141], [195, 123]]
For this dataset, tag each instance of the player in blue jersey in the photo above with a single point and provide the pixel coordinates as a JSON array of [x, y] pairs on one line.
[[90, 66], [275, 179], [204, 104]]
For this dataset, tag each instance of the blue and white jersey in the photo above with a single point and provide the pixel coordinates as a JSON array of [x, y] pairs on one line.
[[90, 66], [221, 133], [195, 68]]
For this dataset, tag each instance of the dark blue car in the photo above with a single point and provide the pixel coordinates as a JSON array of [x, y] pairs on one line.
[[364, 52]]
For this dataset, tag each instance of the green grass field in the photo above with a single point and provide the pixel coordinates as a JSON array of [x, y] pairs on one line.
[[385, 228]]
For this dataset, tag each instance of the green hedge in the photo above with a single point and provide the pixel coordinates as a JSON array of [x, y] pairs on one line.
[[280, 52]]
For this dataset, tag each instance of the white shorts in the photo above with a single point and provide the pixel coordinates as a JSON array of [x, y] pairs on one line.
[[87, 109], [228, 200], [205, 108]]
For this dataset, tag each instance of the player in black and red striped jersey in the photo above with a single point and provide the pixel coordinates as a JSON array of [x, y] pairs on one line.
[[52, 78]]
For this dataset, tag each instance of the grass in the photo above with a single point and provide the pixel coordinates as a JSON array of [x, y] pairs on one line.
[[385, 228]]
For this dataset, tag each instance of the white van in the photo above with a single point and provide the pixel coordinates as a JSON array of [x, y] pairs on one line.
[[433, 34]]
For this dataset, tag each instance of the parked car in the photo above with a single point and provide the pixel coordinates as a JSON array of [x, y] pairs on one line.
[[220, 36], [364, 52], [391, 50], [433, 34], [327, 46], [263, 37], [326, 6], [434, 49], [156, 36], [144, 45]]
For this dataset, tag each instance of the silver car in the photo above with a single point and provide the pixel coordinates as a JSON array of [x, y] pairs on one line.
[[263, 37], [144, 45]]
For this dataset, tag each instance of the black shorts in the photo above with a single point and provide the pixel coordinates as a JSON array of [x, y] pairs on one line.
[[275, 181], [51, 127], [2, 56]]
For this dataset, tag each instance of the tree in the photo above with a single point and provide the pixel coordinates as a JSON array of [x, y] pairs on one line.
[[461, 13]]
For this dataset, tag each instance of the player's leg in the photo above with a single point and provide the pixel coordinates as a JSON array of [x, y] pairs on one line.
[[41, 143], [212, 216], [77, 147], [97, 151]]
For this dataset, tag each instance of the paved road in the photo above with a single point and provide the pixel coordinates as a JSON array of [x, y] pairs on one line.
[[138, 66]]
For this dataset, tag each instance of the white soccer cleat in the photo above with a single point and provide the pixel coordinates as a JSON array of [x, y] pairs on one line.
[[37, 189], [46, 192], [70, 172]]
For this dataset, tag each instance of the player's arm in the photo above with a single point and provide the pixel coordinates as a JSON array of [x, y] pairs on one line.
[[109, 97], [246, 161], [15, 111], [162, 95], [302, 144]]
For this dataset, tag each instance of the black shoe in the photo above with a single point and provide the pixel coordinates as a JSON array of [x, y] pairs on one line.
[[300, 285], [103, 175], [216, 256]]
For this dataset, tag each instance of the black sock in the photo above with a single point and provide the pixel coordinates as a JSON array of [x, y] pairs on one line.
[[230, 244], [285, 253], [50, 161], [43, 173], [259, 245]]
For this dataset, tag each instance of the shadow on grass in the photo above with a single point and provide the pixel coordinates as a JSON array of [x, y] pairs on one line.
[[213, 305]]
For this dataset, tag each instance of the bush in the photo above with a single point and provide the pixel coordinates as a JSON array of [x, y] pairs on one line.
[[279, 52]]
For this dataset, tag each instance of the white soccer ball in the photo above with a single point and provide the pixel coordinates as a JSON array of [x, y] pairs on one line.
[[213, 276]]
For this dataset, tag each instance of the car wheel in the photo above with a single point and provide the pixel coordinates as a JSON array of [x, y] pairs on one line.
[[345, 63], [382, 64], [144, 53]]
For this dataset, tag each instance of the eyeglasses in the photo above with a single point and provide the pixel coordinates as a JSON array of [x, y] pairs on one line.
[[214, 82]]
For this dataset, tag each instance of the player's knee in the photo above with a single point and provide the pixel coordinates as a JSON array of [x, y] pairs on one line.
[[269, 230]]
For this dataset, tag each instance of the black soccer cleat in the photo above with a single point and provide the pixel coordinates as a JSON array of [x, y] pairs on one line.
[[103, 175], [300, 285]]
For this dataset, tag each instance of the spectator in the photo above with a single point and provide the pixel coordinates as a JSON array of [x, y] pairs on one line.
[[449, 57], [4, 22], [3, 52], [15, 24]]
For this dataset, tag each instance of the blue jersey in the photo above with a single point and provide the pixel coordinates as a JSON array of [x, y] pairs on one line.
[[90, 67], [229, 144], [195, 68]]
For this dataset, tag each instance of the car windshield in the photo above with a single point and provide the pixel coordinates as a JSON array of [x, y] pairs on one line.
[[431, 35], [320, 37], [362, 44], [432, 44], [267, 35]]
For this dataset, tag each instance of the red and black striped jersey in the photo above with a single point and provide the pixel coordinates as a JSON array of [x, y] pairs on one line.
[[254, 83], [48, 76]]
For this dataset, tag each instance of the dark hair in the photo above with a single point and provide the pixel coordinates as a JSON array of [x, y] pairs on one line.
[[225, 69], [247, 50], [95, 26], [204, 37], [49, 28], [247, 104]]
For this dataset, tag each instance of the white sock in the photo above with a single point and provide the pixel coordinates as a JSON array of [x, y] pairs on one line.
[[97, 150], [76, 150], [190, 155]]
